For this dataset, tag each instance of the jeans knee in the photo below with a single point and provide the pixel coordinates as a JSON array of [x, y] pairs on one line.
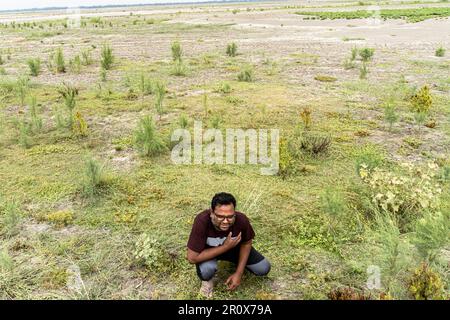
[[261, 268], [207, 270]]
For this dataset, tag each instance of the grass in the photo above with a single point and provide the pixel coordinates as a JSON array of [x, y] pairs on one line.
[[86, 221], [411, 15], [35, 66], [107, 57]]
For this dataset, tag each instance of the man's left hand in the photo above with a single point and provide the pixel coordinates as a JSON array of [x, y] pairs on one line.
[[233, 281]]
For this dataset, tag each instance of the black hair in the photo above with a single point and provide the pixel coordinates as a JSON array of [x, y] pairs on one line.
[[222, 198]]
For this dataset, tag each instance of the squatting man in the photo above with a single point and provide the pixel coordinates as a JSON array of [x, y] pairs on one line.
[[221, 233]]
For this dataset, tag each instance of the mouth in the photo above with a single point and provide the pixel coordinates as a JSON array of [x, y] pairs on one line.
[[224, 227]]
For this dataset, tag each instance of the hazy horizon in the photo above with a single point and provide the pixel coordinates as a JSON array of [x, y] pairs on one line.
[[32, 4]]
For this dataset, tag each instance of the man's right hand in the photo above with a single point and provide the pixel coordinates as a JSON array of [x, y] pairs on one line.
[[231, 243]]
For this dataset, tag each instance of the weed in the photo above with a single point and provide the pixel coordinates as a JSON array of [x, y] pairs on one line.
[[106, 57], [231, 49], [147, 138], [35, 66]]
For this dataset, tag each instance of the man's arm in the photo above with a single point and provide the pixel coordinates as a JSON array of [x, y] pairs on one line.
[[210, 253], [234, 280]]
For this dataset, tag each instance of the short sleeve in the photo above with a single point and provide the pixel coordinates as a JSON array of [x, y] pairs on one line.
[[247, 231], [197, 238]]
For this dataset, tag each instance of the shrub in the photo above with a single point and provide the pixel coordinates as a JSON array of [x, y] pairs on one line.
[[106, 57], [147, 138], [390, 116], [93, 177], [347, 293], [75, 64], [363, 71], [315, 143], [183, 121], [225, 88], [324, 78], [160, 93], [431, 234], [231, 49], [246, 74], [404, 194], [35, 119], [22, 87], [69, 94], [287, 164], [425, 284], [369, 155], [354, 53], [59, 61], [176, 51], [440, 52], [86, 57], [349, 64], [35, 66], [79, 126], [366, 54], [60, 218], [179, 68], [305, 115], [422, 100], [150, 252]]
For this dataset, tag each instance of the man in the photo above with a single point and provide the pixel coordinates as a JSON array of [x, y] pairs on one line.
[[221, 233]]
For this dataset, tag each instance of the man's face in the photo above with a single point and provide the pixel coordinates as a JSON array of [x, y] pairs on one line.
[[223, 216]]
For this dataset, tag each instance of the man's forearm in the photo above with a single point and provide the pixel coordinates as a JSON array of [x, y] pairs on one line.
[[244, 252], [210, 253]]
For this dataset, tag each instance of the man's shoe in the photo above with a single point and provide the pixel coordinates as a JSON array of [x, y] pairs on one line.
[[206, 290]]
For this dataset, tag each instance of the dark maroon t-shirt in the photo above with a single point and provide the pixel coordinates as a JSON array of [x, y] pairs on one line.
[[204, 235]]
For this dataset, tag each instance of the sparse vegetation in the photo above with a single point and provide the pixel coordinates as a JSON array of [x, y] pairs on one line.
[[107, 57], [440, 52], [232, 49], [246, 75], [147, 138], [35, 66]]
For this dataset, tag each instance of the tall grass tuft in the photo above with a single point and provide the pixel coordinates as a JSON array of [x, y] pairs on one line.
[[107, 57], [35, 66], [59, 61], [147, 138], [177, 52], [160, 93]]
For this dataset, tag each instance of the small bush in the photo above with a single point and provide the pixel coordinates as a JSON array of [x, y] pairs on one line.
[[93, 177], [225, 88], [69, 94], [366, 54], [246, 75], [363, 71], [35, 119], [160, 93], [183, 121], [324, 78], [431, 234], [305, 115], [315, 143], [35, 66], [22, 87], [106, 57], [422, 100], [369, 155], [425, 284], [147, 138], [60, 218], [179, 69], [390, 116], [86, 57], [177, 52], [231, 49], [287, 163], [151, 253], [354, 53], [405, 194], [79, 126], [75, 64], [59, 61], [347, 293], [440, 52]]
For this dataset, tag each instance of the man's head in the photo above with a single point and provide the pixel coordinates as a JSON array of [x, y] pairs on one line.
[[223, 215]]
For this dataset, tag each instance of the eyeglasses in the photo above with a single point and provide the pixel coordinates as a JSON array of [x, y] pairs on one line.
[[221, 218]]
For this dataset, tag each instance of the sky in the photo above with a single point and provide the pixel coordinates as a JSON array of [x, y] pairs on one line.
[[27, 4]]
